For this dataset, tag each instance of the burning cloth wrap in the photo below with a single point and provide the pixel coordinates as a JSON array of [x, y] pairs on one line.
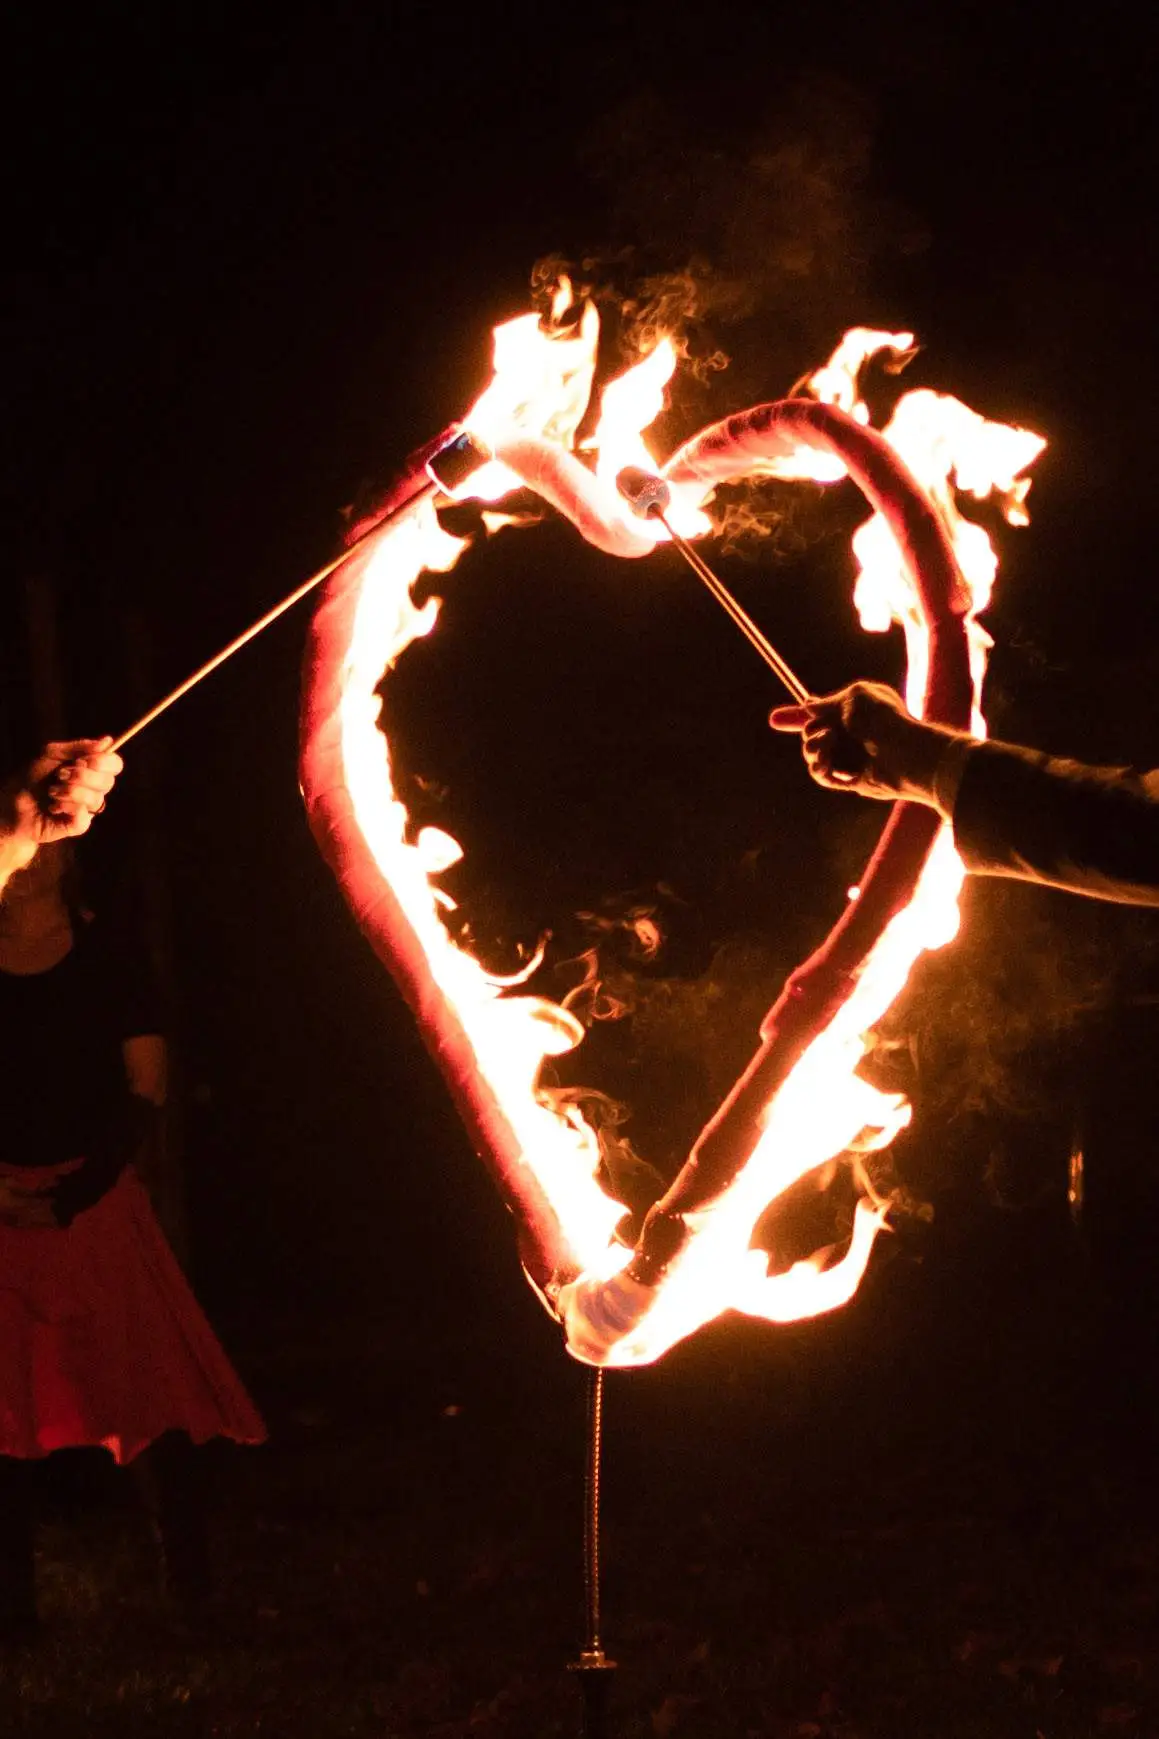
[[601, 1308]]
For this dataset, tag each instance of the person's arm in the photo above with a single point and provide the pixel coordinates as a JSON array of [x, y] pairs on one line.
[[146, 1059], [127, 1134], [1015, 812], [133, 1134], [55, 798], [1091, 830]]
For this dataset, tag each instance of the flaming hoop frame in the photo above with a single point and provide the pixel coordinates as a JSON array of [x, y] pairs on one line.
[[692, 1259]]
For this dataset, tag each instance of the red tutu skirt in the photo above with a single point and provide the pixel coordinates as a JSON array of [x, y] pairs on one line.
[[101, 1340]]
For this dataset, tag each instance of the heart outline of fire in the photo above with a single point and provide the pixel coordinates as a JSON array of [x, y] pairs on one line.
[[491, 1039]]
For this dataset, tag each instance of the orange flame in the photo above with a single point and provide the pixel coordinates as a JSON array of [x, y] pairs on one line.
[[540, 387]]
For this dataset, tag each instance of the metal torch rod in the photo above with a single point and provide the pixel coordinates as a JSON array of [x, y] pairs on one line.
[[593, 1668], [741, 617], [256, 628]]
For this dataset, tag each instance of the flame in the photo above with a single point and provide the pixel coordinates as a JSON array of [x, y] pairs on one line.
[[541, 383], [838, 382], [628, 406]]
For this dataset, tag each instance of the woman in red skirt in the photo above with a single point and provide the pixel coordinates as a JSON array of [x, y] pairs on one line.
[[101, 1340]]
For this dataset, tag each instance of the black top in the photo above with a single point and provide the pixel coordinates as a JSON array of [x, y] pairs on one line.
[[63, 1090], [1092, 830]]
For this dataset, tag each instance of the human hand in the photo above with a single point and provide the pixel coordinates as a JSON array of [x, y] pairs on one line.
[[25, 1209], [57, 796], [862, 739]]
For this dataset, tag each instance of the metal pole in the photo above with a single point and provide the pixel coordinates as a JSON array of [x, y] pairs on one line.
[[255, 628], [743, 620], [443, 465], [593, 1667], [650, 497]]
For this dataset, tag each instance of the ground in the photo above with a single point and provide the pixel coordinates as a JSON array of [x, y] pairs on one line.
[[904, 1522]]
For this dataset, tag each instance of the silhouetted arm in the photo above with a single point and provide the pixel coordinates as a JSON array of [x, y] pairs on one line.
[[1015, 811], [1092, 830]]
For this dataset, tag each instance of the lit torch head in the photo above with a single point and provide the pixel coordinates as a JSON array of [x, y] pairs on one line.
[[646, 494], [453, 465]]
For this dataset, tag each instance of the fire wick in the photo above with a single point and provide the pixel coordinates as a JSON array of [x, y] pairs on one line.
[[650, 497]]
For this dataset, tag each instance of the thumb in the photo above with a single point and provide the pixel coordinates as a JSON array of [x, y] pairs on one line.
[[790, 718]]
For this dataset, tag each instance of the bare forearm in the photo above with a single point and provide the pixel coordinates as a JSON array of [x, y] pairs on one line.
[[1091, 830], [17, 848], [15, 853], [1015, 811], [1020, 813]]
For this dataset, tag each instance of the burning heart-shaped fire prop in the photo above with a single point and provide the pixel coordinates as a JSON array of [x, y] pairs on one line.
[[801, 1101]]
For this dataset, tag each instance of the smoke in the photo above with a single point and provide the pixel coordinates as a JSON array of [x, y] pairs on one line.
[[993, 1038], [987, 1042], [977, 1024], [754, 249], [671, 1019], [623, 1174], [751, 244]]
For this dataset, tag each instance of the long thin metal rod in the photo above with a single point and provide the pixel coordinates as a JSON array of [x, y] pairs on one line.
[[699, 567], [256, 628], [594, 1669], [592, 1643], [741, 617]]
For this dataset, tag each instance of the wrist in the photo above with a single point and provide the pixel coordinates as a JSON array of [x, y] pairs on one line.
[[929, 752], [948, 774], [16, 849]]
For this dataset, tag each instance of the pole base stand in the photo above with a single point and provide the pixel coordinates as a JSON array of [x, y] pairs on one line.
[[595, 1672]]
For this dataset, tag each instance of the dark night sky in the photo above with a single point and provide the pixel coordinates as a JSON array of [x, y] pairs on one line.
[[250, 265]]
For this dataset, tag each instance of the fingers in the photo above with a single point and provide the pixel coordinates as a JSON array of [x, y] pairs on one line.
[[818, 721], [76, 747], [837, 735], [92, 779], [789, 718], [854, 740], [818, 709], [80, 783], [860, 700], [54, 755], [820, 748]]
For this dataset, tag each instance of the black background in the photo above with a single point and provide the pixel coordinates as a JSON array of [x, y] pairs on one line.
[[250, 265]]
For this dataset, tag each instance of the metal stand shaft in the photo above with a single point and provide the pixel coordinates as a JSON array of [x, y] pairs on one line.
[[593, 1667]]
